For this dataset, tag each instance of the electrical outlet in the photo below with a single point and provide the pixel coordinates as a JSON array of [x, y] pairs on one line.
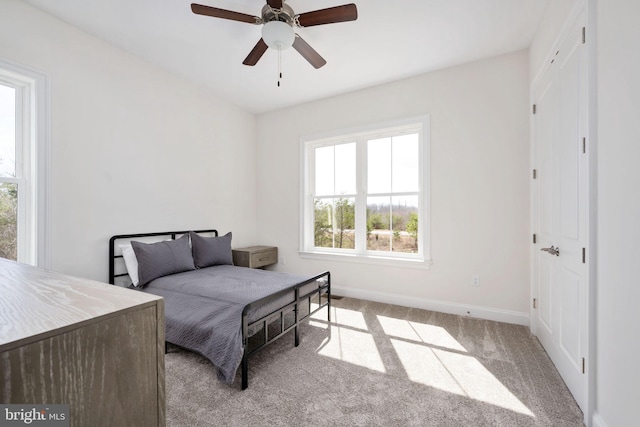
[[282, 260], [475, 280]]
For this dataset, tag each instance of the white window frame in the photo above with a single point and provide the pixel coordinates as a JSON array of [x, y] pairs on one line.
[[422, 259], [32, 161]]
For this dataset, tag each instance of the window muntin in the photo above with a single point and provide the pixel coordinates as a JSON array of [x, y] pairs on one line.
[[366, 193]]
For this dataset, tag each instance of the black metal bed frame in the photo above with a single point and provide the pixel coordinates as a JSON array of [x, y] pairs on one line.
[[278, 314]]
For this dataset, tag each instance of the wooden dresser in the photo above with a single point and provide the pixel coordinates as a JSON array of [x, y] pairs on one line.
[[96, 347]]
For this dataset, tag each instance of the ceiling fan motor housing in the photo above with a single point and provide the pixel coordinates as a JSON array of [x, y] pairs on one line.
[[284, 14], [277, 31]]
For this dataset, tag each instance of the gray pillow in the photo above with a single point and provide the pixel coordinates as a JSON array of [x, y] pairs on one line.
[[162, 258], [208, 251]]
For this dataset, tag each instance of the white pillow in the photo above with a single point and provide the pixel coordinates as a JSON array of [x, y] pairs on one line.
[[131, 262]]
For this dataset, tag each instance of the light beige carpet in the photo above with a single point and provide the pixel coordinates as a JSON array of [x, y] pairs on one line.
[[380, 365]]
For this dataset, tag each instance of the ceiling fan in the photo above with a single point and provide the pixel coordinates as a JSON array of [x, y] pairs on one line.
[[278, 21]]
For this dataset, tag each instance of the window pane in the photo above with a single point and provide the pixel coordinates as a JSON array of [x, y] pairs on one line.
[[379, 165], [405, 163], [345, 169], [7, 131], [334, 223], [335, 170], [404, 210], [392, 224], [8, 220], [324, 171], [378, 223]]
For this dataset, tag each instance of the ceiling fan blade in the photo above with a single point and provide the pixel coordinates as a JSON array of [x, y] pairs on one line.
[[275, 4], [308, 52], [200, 9], [346, 12], [256, 53]]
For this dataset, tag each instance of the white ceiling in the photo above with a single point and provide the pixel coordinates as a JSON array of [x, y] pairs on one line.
[[390, 40]]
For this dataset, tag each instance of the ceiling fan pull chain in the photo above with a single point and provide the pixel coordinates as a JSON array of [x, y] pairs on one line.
[[279, 65]]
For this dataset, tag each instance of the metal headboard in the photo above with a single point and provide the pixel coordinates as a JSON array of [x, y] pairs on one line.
[[128, 237]]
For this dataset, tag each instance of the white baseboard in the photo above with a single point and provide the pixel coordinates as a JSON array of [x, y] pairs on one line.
[[517, 318], [597, 421]]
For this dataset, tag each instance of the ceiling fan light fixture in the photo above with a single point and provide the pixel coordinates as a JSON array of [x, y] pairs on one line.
[[278, 35]]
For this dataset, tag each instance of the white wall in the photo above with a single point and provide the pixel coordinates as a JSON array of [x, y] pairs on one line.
[[618, 317], [134, 149], [479, 186]]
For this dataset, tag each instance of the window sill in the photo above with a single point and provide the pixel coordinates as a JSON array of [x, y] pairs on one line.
[[419, 263]]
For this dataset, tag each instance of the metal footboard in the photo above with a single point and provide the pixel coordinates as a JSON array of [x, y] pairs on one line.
[[324, 287]]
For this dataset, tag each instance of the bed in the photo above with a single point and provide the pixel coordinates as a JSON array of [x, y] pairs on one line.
[[223, 312]]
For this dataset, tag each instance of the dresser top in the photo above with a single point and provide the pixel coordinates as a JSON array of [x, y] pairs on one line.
[[34, 302]]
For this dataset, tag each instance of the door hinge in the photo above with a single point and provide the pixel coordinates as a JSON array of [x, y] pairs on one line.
[[584, 255], [584, 145], [583, 366], [584, 35], [534, 108], [535, 174], [534, 238], [534, 303]]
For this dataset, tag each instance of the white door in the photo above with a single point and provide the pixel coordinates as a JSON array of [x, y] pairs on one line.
[[560, 212]]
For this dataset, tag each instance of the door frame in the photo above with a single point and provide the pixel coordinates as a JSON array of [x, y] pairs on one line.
[[588, 8]]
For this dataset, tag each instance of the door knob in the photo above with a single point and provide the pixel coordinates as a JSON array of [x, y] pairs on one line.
[[552, 250]]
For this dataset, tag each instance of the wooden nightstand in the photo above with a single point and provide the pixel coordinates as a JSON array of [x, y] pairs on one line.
[[255, 256]]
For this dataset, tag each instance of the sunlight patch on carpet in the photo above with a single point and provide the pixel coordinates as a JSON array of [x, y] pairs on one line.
[[353, 347], [342, 317], [422, 366], [429, 355], [480, 384], [455, 373], [421, 332]]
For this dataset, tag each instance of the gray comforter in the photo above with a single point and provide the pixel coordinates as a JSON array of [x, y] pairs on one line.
[[203, 308]]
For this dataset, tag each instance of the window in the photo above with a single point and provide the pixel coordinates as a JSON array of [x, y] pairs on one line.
[[365, 193], [23, 151], [9, 182]]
